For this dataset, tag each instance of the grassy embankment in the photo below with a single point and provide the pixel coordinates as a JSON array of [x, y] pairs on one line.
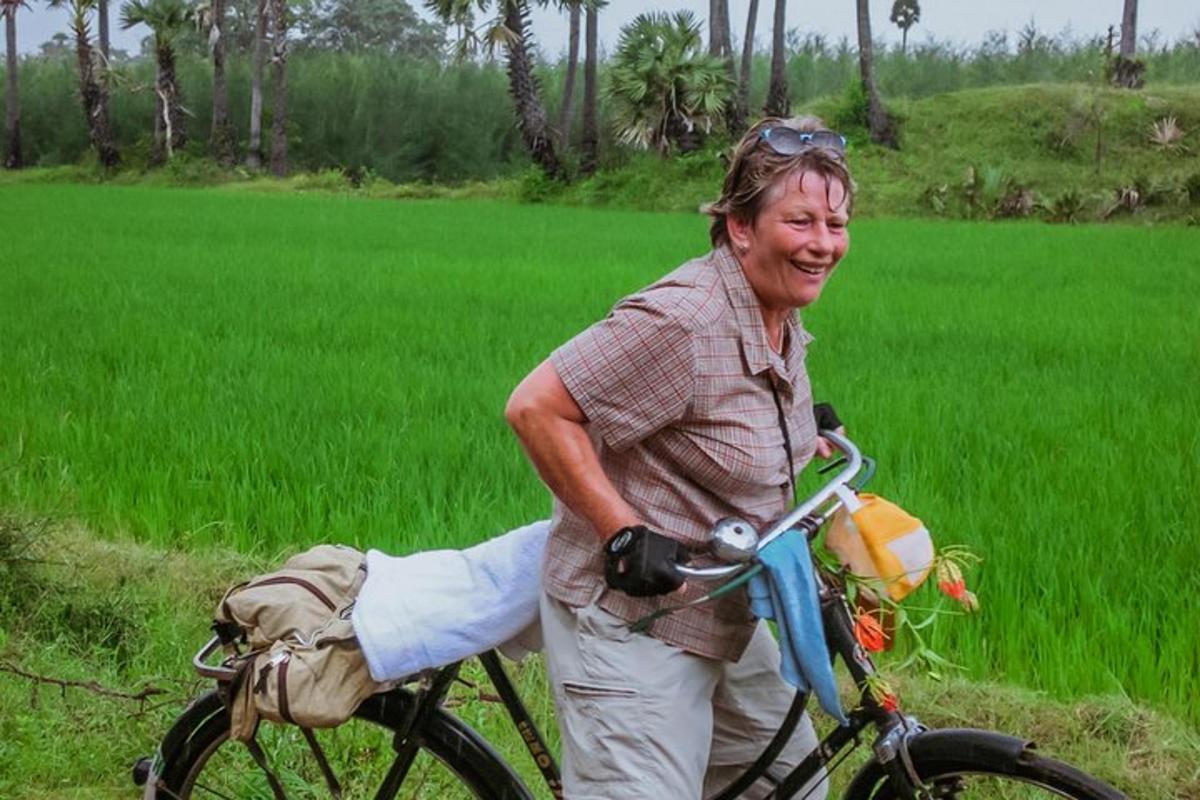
[[1052, 140], [219, 370], [128, 616]]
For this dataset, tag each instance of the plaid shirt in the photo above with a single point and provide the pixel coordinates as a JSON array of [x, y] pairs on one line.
[[676, 386]]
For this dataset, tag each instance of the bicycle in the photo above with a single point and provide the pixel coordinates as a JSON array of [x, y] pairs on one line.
[[429, 749]]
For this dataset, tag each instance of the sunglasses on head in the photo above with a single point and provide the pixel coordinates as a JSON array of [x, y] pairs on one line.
[[789, 142]]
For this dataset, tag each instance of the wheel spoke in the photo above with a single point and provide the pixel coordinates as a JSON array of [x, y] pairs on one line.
[[354, 761], [212, 791]]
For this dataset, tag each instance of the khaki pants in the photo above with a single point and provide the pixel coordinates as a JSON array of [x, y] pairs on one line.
[[641, 718]]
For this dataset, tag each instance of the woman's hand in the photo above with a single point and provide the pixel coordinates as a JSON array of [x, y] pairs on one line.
[[641, 562], [827, 420]]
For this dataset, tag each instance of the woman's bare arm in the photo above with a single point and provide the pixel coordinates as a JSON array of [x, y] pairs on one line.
[[550, 425]]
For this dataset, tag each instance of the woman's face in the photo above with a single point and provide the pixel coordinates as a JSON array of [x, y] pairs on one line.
[[798, 238]]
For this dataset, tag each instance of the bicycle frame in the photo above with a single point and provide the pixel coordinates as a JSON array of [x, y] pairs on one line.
[[894, 729]]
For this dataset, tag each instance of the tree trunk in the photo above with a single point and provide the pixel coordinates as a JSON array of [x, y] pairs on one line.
[[531, 116], [685, 137], [1127, 70], [279, 27], [102, 13], [778, 102], [174, 127], [12, 96], [904, 41], [742, 101], [1129, 30], [158, 148], [102, 26], [221, 142], [720, 45], [719, 42], [879, 122], [568, 98], [93, 93], [254, 151], [589, 145]]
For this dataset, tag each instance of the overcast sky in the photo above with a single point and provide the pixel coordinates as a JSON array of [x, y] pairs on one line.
[[963, 21]]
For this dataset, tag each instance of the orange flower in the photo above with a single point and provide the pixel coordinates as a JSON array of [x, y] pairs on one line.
[[950, 579], [882, 693], [869, 632], [955, 589]]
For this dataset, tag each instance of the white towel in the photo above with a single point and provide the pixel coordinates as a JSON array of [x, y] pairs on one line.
[[430, 609]]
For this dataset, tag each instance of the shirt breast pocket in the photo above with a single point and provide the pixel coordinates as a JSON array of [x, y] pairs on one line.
[[733, 442]]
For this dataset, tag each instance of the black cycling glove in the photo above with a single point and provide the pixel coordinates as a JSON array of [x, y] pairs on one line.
[[826, 417], [641, 563]]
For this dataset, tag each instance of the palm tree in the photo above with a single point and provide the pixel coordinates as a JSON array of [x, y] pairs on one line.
[[742, 100], [254, 151], [509, 29], [720, 45], [879, 122], [590, 135], [102, 27], [574, 8], [778, 102], [93, 89], [12, 96], [167, 19], [221, 139], [279, 28], [664, 87], [905, 14]]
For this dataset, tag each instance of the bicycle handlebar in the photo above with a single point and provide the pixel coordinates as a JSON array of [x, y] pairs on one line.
[[793, 517]]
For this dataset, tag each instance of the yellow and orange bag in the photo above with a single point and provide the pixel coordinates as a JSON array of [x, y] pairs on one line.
[[877, 539]]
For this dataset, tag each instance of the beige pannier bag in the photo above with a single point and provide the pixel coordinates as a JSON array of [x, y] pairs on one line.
[[289, 636]]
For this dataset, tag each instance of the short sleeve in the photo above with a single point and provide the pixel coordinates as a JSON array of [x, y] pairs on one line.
[[632, 373]]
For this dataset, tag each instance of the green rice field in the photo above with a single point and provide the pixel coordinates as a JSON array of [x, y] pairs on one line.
[[211, 367]]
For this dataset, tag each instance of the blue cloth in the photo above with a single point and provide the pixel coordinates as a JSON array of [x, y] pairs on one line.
[[786, 591]]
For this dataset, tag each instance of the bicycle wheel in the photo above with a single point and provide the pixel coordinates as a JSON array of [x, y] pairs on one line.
[[200, 761], [964, 764]]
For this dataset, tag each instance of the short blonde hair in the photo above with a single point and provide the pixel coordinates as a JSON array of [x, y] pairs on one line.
[[755, 170]]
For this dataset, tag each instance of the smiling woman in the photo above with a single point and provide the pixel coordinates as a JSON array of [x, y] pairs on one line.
[[688, 403], [783, 209]]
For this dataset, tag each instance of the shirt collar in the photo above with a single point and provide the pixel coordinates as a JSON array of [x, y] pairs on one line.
[[748, 314]]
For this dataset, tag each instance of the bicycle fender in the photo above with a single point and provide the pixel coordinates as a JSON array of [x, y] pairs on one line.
[[958, 744], [190, 720]]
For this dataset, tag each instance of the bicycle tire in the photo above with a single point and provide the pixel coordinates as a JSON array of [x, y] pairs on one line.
[[966, 764], [199, 760]]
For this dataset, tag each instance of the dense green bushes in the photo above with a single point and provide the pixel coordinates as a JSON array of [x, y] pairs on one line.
[[405, 120], [421, 121]]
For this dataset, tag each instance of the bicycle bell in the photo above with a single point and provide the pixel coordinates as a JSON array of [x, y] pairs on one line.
[[733, 539]]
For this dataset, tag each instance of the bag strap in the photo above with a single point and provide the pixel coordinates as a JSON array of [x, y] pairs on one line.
[[260, 758], [335, 788], [787, 439], [849, 498]]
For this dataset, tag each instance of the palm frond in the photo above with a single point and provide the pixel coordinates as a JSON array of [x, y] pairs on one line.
[[661, 80]]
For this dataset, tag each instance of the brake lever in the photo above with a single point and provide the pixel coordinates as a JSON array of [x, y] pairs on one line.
[[832, 465]]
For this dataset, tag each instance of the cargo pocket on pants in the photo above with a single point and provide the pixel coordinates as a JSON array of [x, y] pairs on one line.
[[601, 729]]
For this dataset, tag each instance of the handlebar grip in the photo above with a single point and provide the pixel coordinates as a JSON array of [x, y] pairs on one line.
[[826, 417]]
